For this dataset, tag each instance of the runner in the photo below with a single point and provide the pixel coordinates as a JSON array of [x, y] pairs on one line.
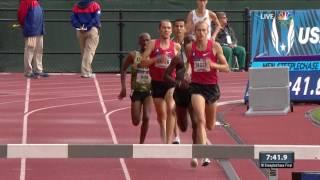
[[205, 60], [158, 55], [179, 31], [201, 13], [181, 93], [140, 87]]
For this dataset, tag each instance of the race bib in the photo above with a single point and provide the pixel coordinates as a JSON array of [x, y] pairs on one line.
[[201, 65], [162, 61], [143, 76]]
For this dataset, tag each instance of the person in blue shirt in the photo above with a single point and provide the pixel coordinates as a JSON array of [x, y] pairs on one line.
[[86, 20], [31, 20]]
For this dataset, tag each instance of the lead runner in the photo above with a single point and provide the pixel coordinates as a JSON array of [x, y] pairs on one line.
[[205, 59]]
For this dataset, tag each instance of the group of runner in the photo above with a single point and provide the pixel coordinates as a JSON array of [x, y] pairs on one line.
[[179, 75]]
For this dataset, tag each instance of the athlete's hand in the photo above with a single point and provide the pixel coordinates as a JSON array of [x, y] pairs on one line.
[[187, 77], [212, 65], [144, 62], [122, 94], [184, 84], [134, 65]]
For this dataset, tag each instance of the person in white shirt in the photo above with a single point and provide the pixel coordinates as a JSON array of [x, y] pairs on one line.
[[201, 13]]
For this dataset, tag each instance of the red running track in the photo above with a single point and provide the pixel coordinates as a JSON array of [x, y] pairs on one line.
[[71, 110]]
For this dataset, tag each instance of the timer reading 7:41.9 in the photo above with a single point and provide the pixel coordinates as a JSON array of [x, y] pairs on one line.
[[276, 157], [305, 85]]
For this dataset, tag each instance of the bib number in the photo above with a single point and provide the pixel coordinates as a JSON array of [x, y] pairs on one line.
[[162, 61], [201, 65], [143, 76]]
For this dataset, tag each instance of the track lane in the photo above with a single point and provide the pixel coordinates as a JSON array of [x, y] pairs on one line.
[[68, 120], [13, 89]]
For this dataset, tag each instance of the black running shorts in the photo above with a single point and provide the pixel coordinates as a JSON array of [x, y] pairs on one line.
[[182, 97], [139, 95], [159, 88], [210, 92]]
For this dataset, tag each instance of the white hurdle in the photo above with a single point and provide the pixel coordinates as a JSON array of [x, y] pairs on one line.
[[216, 151]]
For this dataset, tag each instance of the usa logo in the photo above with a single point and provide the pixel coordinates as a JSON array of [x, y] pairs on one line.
[[282, 32]]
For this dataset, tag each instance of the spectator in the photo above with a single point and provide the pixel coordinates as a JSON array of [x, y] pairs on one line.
[[31, 19], [226, 37], [86, 20]]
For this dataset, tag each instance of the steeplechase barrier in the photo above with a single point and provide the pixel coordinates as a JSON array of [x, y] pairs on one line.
[[216, 151]]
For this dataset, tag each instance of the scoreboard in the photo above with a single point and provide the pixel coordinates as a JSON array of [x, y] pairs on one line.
[[304, 75]]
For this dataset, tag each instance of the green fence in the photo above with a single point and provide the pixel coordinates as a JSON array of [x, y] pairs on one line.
[[122, 21], [119, 32]]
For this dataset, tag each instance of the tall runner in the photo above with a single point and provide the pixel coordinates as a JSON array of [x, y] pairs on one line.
[[205, 60], [158, 56], [201, 13]]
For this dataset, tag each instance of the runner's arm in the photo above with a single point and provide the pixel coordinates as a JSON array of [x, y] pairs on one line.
[[172, 66], [222, 64], [126, 63], [146, 61], [216, 22], [188, 54], [189, 24]]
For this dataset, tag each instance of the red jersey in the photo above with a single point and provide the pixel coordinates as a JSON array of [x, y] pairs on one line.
[[163, 58], [201, 72]]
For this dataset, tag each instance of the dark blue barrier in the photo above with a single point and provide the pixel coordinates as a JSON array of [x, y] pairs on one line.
[[305, 175], [304, 75]]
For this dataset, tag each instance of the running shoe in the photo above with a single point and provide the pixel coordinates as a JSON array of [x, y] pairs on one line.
[[194, 162], [30, 75], [41, 74], [205, 162], [176, 140], [88, 75]]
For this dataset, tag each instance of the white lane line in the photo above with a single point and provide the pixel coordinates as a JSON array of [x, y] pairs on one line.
[[57, 93], [110, 93], [25, 129], [25, 123], [113, 135], [67, 88], [64, 105], [230, 102], [52, 98], [227, 165]]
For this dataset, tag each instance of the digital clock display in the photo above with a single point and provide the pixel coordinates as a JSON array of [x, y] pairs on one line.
[[305, 85], [269, 159]]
